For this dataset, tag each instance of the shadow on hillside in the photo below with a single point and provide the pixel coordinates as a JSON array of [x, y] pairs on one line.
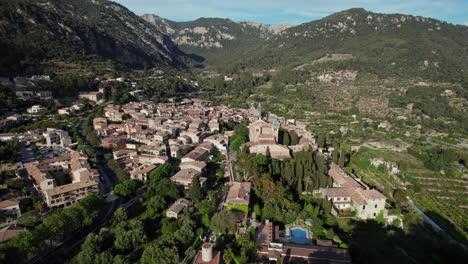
[[371, 242], [448, 226]]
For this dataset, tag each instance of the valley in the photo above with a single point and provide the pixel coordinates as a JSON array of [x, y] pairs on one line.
[[132, 138]]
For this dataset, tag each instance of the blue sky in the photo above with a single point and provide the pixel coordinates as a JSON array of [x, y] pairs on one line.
[[294, 11]]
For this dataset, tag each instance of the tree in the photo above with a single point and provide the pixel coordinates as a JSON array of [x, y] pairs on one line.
[[127, 188], [23, 243], [286, 138], [155, 205], [341, 160], [29, 219], [321, 140], [160, 253], [396, 223], [120, 216], [223, 222], [380, 218], [164, 188], [294, 138], [382, 168], [335, 156], [89, 249], [248, 247], [129, 235], [195, 192], [239, 137], [400, 196], [163, 171]]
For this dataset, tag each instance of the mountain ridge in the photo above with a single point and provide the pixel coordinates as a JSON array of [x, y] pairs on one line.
[[75, 30]]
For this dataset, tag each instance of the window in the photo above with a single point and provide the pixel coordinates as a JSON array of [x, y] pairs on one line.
[[375, 206], [374, 214], [363, 207]]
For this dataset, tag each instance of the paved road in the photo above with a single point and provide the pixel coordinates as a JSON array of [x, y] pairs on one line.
[[426, 218]]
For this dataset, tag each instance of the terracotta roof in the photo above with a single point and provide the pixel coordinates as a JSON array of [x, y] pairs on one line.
[[317, 253], [9, 232], [185, 175], [70, 187], [372, 194], [239, 193], [341, 177], [143, 169], [196, 163], [337, 192], [9, 203]]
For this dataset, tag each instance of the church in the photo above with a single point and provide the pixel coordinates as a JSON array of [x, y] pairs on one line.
[[264, 136]]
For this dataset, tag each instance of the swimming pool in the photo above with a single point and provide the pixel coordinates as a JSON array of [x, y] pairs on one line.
[[298, 236]]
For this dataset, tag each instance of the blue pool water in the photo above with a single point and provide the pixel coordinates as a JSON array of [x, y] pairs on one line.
[[298, 236]]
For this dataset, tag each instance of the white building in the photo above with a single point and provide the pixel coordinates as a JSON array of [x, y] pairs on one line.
[[36, 109]]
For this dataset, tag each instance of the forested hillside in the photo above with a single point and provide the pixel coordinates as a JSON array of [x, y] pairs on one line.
[[389, 45], [216, 38], [74, 31]]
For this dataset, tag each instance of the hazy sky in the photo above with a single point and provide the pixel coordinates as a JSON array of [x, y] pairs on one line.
[[294, 11]]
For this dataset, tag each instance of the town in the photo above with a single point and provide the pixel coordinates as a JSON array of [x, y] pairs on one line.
[[200, 132], [204, 151]]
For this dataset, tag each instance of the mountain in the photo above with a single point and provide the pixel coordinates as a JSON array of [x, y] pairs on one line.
[[213, 38], [384, 44], [34, 31]]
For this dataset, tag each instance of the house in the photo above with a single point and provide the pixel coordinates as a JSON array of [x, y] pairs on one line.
[[9, 232], [264, 138], [44, 95], [348, 195], [213, 125], [208, 256], [239, 193], [159, 150], [78, 107], [271, 248], [61, 181], [65, 111], [56, 137], [100, 126], [10, 210], [196, 165], [198, 154], [277, 151], [260, 127], [219, 141], [392, 167], [151, 159], [385, 125], [184, 178], [177, 208], [123, 154], [97, 97], [36, 109], [142, 172], [110, 142]]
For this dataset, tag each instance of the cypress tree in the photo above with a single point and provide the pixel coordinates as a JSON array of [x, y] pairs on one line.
[[195, 191], [286, 138], [341, 161], [294, 138]]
